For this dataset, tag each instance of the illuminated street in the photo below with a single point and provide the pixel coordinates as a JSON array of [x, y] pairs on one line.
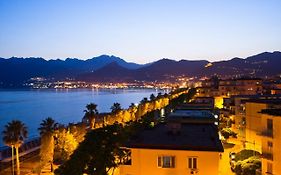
[[27, 167], [224, 168]]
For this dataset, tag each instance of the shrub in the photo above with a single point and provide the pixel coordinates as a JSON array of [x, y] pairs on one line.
[[247, 166], [245, 154], [227, 132]]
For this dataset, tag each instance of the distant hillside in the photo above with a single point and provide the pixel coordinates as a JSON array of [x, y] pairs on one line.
[[112, 72], [15, 71], [165, 68], [264, 64]]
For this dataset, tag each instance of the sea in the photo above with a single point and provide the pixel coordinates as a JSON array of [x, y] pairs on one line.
[[65, 106]]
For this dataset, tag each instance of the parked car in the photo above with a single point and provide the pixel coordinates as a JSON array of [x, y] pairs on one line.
[[232, 165], [232, 156], [232, 161]]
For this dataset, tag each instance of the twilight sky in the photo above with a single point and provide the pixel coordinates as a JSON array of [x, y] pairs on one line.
[[139, 30]]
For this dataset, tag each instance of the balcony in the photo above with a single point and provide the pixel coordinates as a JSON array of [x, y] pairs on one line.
[[267, 133], [268, 173], [267, 155]]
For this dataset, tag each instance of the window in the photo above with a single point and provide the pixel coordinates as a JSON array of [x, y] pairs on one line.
[[166, 161], [269, 145], [192, 162], [269, 124], [269, 168]]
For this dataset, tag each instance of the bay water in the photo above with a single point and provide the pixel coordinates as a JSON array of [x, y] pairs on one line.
[[63, 105]]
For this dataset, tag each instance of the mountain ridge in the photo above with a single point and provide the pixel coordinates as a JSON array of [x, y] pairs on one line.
[[17, 70]]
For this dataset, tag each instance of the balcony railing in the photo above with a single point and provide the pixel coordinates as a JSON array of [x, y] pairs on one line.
[[267, 133], [267, 155]]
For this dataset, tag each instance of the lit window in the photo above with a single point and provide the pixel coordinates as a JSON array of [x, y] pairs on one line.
[[166, 161], [192, 162]]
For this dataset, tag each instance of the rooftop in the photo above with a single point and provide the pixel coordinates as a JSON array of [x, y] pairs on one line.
[[193, 137], [192, 116], [265, 101], [195, 106], [192, 113], [257, 96], [242, 78]]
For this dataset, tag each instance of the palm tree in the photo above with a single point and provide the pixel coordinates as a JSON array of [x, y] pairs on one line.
[[90, 113], [115, 108], [47, 129], [48, 126], [13, 135], [159, 95], [144, 100], [132, 105], [132, 110], [152, 97]]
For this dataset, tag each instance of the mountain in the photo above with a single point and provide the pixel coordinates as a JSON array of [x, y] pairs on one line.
[[263, 64], [15, 71], [105, 59], [112, 72], [165, 69], [161, 70]]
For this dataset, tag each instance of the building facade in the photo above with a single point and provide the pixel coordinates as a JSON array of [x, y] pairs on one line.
[[175, 148], [271, 141], [254, 121]]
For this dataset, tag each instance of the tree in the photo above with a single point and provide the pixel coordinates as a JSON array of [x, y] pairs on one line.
[[78, 131], [144, 100], [227, 132], [152, 97], [65, 145], [13, 135], [159, 95], [132, 105], [90, 114], [247, 166], [47, 129], [100, 152], [115, 108], [132, 110]]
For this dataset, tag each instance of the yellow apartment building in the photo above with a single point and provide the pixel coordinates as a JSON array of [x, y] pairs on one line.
[[253, 125], [271, 141], [254, 121], [241, 86], [174, 148]]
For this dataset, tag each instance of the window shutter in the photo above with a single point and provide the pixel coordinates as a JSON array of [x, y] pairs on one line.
[[159, 161], [173, 162], [195, 163], [190, 163]]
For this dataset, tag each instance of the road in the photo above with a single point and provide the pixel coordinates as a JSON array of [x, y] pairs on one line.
[[27, 166], [234, 145]]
